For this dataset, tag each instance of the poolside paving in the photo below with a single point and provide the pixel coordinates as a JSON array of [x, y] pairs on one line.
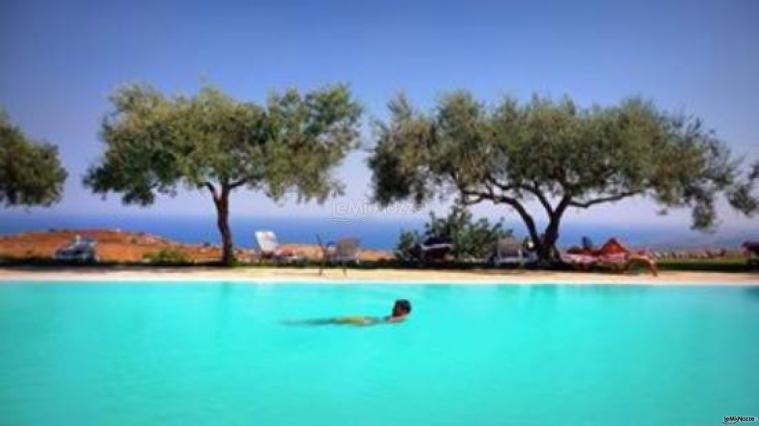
[[390, 276]]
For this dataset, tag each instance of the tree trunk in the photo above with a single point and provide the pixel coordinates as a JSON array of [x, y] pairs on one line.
[[222, 221], [546, 248], [545, 243]]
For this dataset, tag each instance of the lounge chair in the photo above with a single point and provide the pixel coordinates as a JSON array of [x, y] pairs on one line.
[[342, 252], [509, 251], [79, 250], [269, 248], [435, 248], [579, 261], [612, 255]]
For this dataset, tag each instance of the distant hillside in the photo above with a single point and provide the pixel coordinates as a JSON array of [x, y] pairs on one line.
[[122, 246]]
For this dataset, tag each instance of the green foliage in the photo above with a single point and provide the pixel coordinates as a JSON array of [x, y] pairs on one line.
[[742, 195], [734, 264], [472, 239], [554, 153], [30, 172], [168, 256], [407, 248], [291, 144], [154, 142]]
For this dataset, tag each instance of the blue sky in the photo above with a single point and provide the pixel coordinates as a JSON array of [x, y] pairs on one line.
[[60, 60]]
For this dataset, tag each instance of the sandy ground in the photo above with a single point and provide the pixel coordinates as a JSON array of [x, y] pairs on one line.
[[393, 276]]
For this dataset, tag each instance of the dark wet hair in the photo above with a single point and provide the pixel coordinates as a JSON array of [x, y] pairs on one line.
[[403, 304]]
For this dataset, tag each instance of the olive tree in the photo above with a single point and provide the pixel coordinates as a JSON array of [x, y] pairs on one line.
[[554, 155], [156, 143], [30, 171]]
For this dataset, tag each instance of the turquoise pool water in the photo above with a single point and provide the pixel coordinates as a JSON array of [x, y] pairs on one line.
[[173, 354]]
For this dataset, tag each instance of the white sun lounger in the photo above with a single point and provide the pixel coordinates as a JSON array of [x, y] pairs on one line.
[[269, 248]]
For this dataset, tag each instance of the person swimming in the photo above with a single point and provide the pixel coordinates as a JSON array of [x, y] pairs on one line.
[[401, 309]]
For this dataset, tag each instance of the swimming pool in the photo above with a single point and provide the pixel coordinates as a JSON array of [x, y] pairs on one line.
[[222, 353]]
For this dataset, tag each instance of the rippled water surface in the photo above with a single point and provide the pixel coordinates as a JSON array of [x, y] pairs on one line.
[[216, 353]]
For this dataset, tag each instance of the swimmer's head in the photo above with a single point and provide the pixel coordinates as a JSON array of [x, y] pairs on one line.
[[401, 308]]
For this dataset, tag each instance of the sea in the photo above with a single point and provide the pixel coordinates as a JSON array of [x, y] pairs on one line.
[[378, 233]]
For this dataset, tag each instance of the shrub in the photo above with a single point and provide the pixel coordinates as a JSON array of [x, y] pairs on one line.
[[406, 249], [471, 239], [168, 256]]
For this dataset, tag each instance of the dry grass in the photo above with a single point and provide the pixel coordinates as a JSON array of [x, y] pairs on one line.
[[114, 246]]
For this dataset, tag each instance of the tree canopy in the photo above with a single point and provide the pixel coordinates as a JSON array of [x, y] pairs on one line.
[[31, 172], [210, 141], [554, 153]]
